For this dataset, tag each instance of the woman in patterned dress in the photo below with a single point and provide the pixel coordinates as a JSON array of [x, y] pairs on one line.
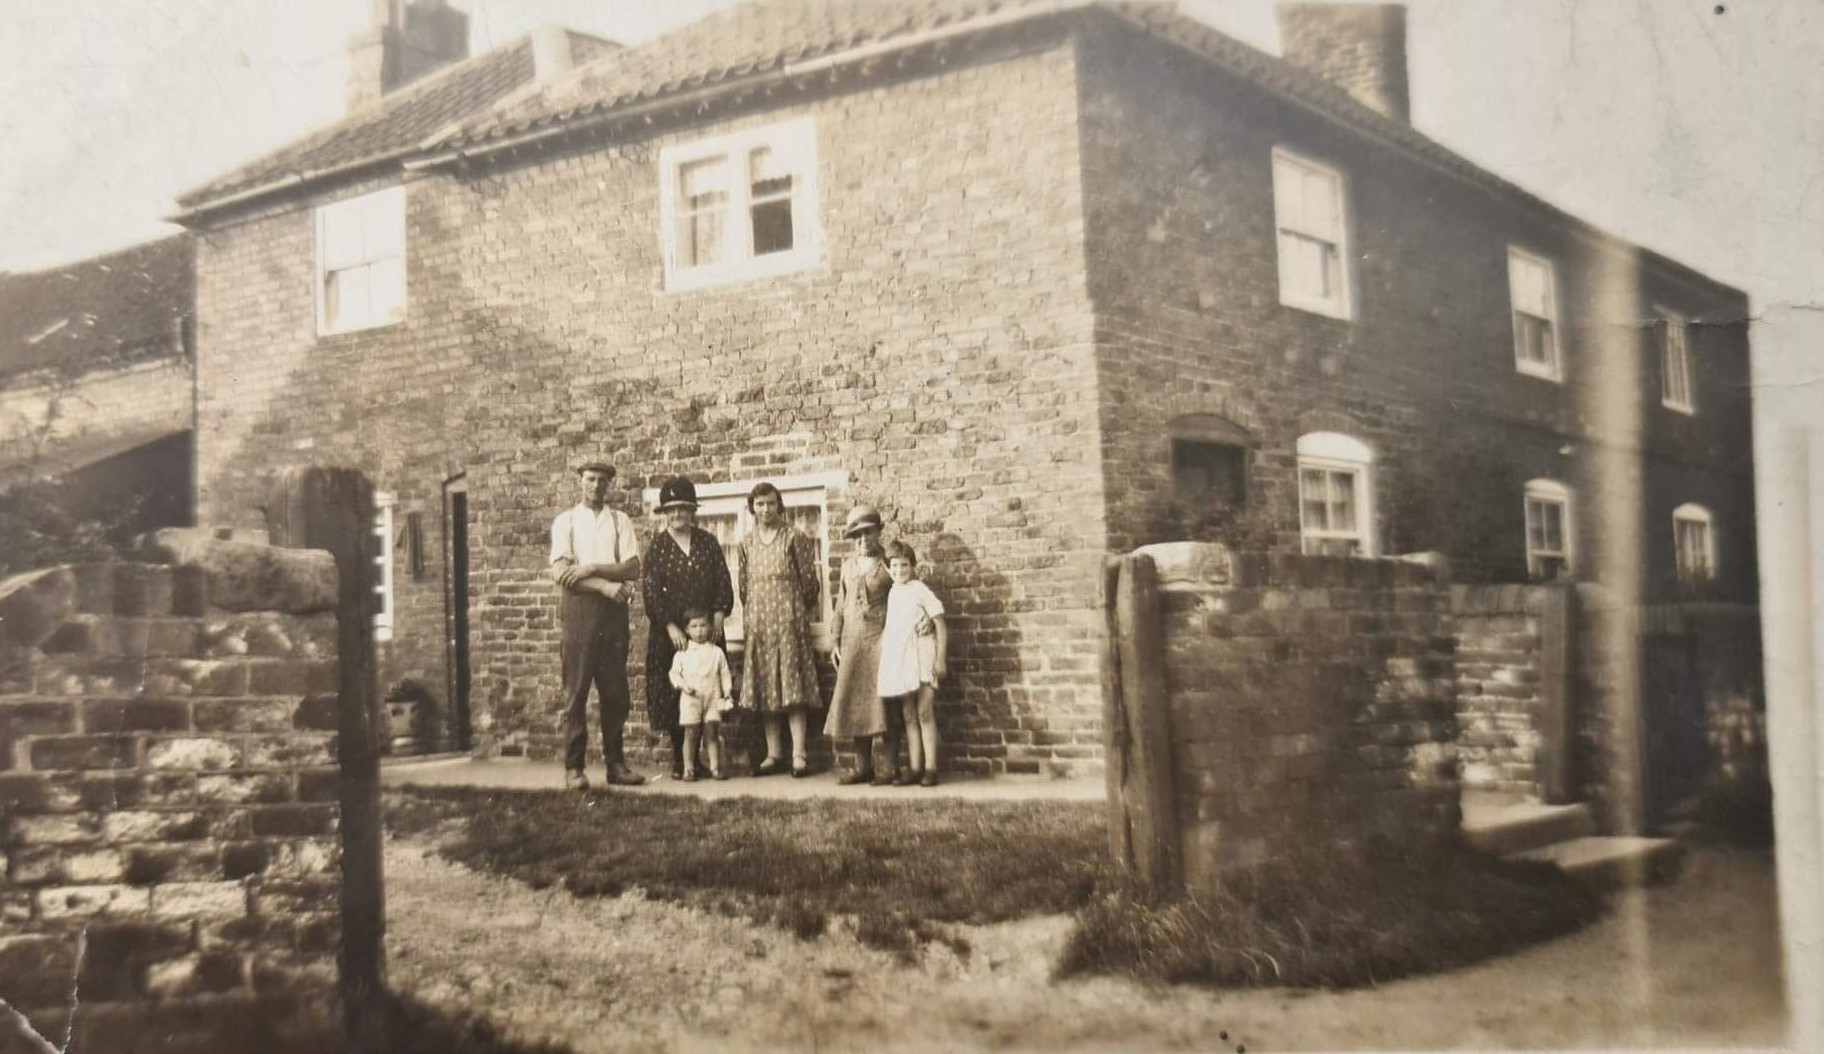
[[779, 580], [684, 569], [856, 710]]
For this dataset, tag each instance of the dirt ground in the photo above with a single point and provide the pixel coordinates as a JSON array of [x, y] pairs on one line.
[[1694, 964]]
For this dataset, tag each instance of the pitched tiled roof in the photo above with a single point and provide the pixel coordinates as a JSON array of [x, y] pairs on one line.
[[398, 122], [752, 38], [112, 310]]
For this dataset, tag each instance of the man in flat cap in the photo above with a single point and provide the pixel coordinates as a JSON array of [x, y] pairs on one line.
[[594, 554]]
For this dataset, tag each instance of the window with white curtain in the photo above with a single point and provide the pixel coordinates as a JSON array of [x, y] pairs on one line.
[[1694, 541], [1336, 495]]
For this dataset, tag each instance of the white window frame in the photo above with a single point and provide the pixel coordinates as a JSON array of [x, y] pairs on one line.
[[1339, 305], [1334, 453], [383, 564], [1553, 368], [796, 140], [1691, 513], [371, 214], [1673, 340], [1543, 493], [729, 500]]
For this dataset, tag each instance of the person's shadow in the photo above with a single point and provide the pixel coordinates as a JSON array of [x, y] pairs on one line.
[[984, 710]]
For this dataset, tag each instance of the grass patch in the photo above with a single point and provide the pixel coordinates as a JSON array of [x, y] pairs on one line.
[[901, 870], [1333, 920]]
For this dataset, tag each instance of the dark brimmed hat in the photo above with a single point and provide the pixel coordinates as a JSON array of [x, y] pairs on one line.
[[861, 518], [677, 492], [595, 465]]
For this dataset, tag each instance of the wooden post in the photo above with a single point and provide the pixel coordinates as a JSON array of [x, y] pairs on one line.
[[1557, 694], [333, 509], [1114, 721], [1145, 797]]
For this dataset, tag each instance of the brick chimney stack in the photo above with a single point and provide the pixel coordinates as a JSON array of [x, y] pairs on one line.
[[1361, 48], [409, 39]]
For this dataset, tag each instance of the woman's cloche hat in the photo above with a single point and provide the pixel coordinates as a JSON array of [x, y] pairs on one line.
[[677, 493], [861, 518]]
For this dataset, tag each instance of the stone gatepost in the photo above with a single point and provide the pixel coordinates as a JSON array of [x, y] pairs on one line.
[[168, 795]]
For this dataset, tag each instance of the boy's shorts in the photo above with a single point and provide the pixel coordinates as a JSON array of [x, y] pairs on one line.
[[693, 710]]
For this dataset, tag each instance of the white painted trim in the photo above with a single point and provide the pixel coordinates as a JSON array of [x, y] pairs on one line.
[[1342, 307], [1336, 452], [383, 529], [1670, 318], [1550, 492], [1553, 370], [795, 138]]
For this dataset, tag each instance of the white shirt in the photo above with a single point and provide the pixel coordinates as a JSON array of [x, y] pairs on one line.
[[585, 536]]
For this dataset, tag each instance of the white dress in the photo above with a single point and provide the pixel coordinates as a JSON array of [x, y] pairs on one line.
[[908, 660]]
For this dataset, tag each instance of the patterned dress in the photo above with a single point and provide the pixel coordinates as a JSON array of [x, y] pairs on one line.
[[861, 612], [779, 583], [672, 583]]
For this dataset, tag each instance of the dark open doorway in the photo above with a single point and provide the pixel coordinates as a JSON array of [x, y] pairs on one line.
[[456, 534]]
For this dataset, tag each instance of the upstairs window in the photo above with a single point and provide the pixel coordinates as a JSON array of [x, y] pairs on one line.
[[1335, 495], [1694, 540], [1548, 530], [1670, 333], [740, 206], [1533, 291], [361, 262], [1308, 208]]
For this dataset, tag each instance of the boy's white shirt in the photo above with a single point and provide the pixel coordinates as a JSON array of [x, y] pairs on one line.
[[722, 683]]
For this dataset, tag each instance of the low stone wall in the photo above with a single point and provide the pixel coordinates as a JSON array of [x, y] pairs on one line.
[[1499, 699], [1311, 699], [168, 797]]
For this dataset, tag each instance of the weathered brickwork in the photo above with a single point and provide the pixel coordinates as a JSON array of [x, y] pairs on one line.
[[1312, 699], [1498, 691], [168, 807], [940, 355], [1181, 244]]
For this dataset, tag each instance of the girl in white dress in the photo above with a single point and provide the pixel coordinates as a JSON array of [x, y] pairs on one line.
[[911, 665]]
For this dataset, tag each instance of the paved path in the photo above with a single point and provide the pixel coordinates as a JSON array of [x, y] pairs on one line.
[[520, 774]]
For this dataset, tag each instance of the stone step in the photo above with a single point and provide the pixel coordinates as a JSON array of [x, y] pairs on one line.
[[1519, 827], [1612, 862]]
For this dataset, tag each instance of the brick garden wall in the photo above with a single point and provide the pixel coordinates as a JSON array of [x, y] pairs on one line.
[[167, 805], [1181, 247], [1312, 699], [1498, 685]]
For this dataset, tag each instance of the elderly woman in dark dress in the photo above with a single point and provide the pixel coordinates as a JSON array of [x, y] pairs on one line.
[[684, 569]]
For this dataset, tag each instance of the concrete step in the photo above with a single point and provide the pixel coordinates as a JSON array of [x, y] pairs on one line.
[[1608, 862], [1506, 829]]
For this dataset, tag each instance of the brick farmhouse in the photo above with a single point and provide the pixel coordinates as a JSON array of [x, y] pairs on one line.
[[1043, 280]]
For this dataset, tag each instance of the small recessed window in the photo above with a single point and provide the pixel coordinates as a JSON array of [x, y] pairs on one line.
[[361, 262], [1671, 334], [1533, 292], [1694, 539], [1548, 530], [1308, 206], [1212, 476], [740, 206], [1335, 495]]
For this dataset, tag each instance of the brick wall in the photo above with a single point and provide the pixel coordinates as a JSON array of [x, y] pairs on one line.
[[1498, 685], [1311, 698], [940, 355], [167, 805], [1181, 246]]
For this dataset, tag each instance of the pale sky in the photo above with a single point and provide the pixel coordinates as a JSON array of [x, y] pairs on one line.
[[1695, 133]]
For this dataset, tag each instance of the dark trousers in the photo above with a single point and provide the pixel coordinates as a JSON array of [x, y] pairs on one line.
[[594, 652]]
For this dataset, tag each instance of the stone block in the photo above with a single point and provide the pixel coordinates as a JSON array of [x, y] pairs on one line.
[[262, 788], [36, 969], [93, 867], [135, 715], [294, 820], [291, 677], [146, 825], [246, 859], [142, 589], [80, 902], [243, 576], [31, 792], [54, 830], [149, 865], [182, 678], [300, 750], [324, 784], [34, 605], [94, 588], [318, 713], [85, 752], [210, 972], [196, 753], [192, 900], [245, 715], [118, 953]]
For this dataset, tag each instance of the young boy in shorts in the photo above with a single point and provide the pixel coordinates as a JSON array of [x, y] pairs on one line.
[[700, 673]]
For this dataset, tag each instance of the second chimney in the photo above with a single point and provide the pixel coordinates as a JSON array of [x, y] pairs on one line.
[[1361, 48], [409, 39]]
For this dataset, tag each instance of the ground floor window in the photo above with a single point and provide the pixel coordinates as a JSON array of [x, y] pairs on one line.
[[1694, 538], [1548, 532], [1335, 495], [722, 511]]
